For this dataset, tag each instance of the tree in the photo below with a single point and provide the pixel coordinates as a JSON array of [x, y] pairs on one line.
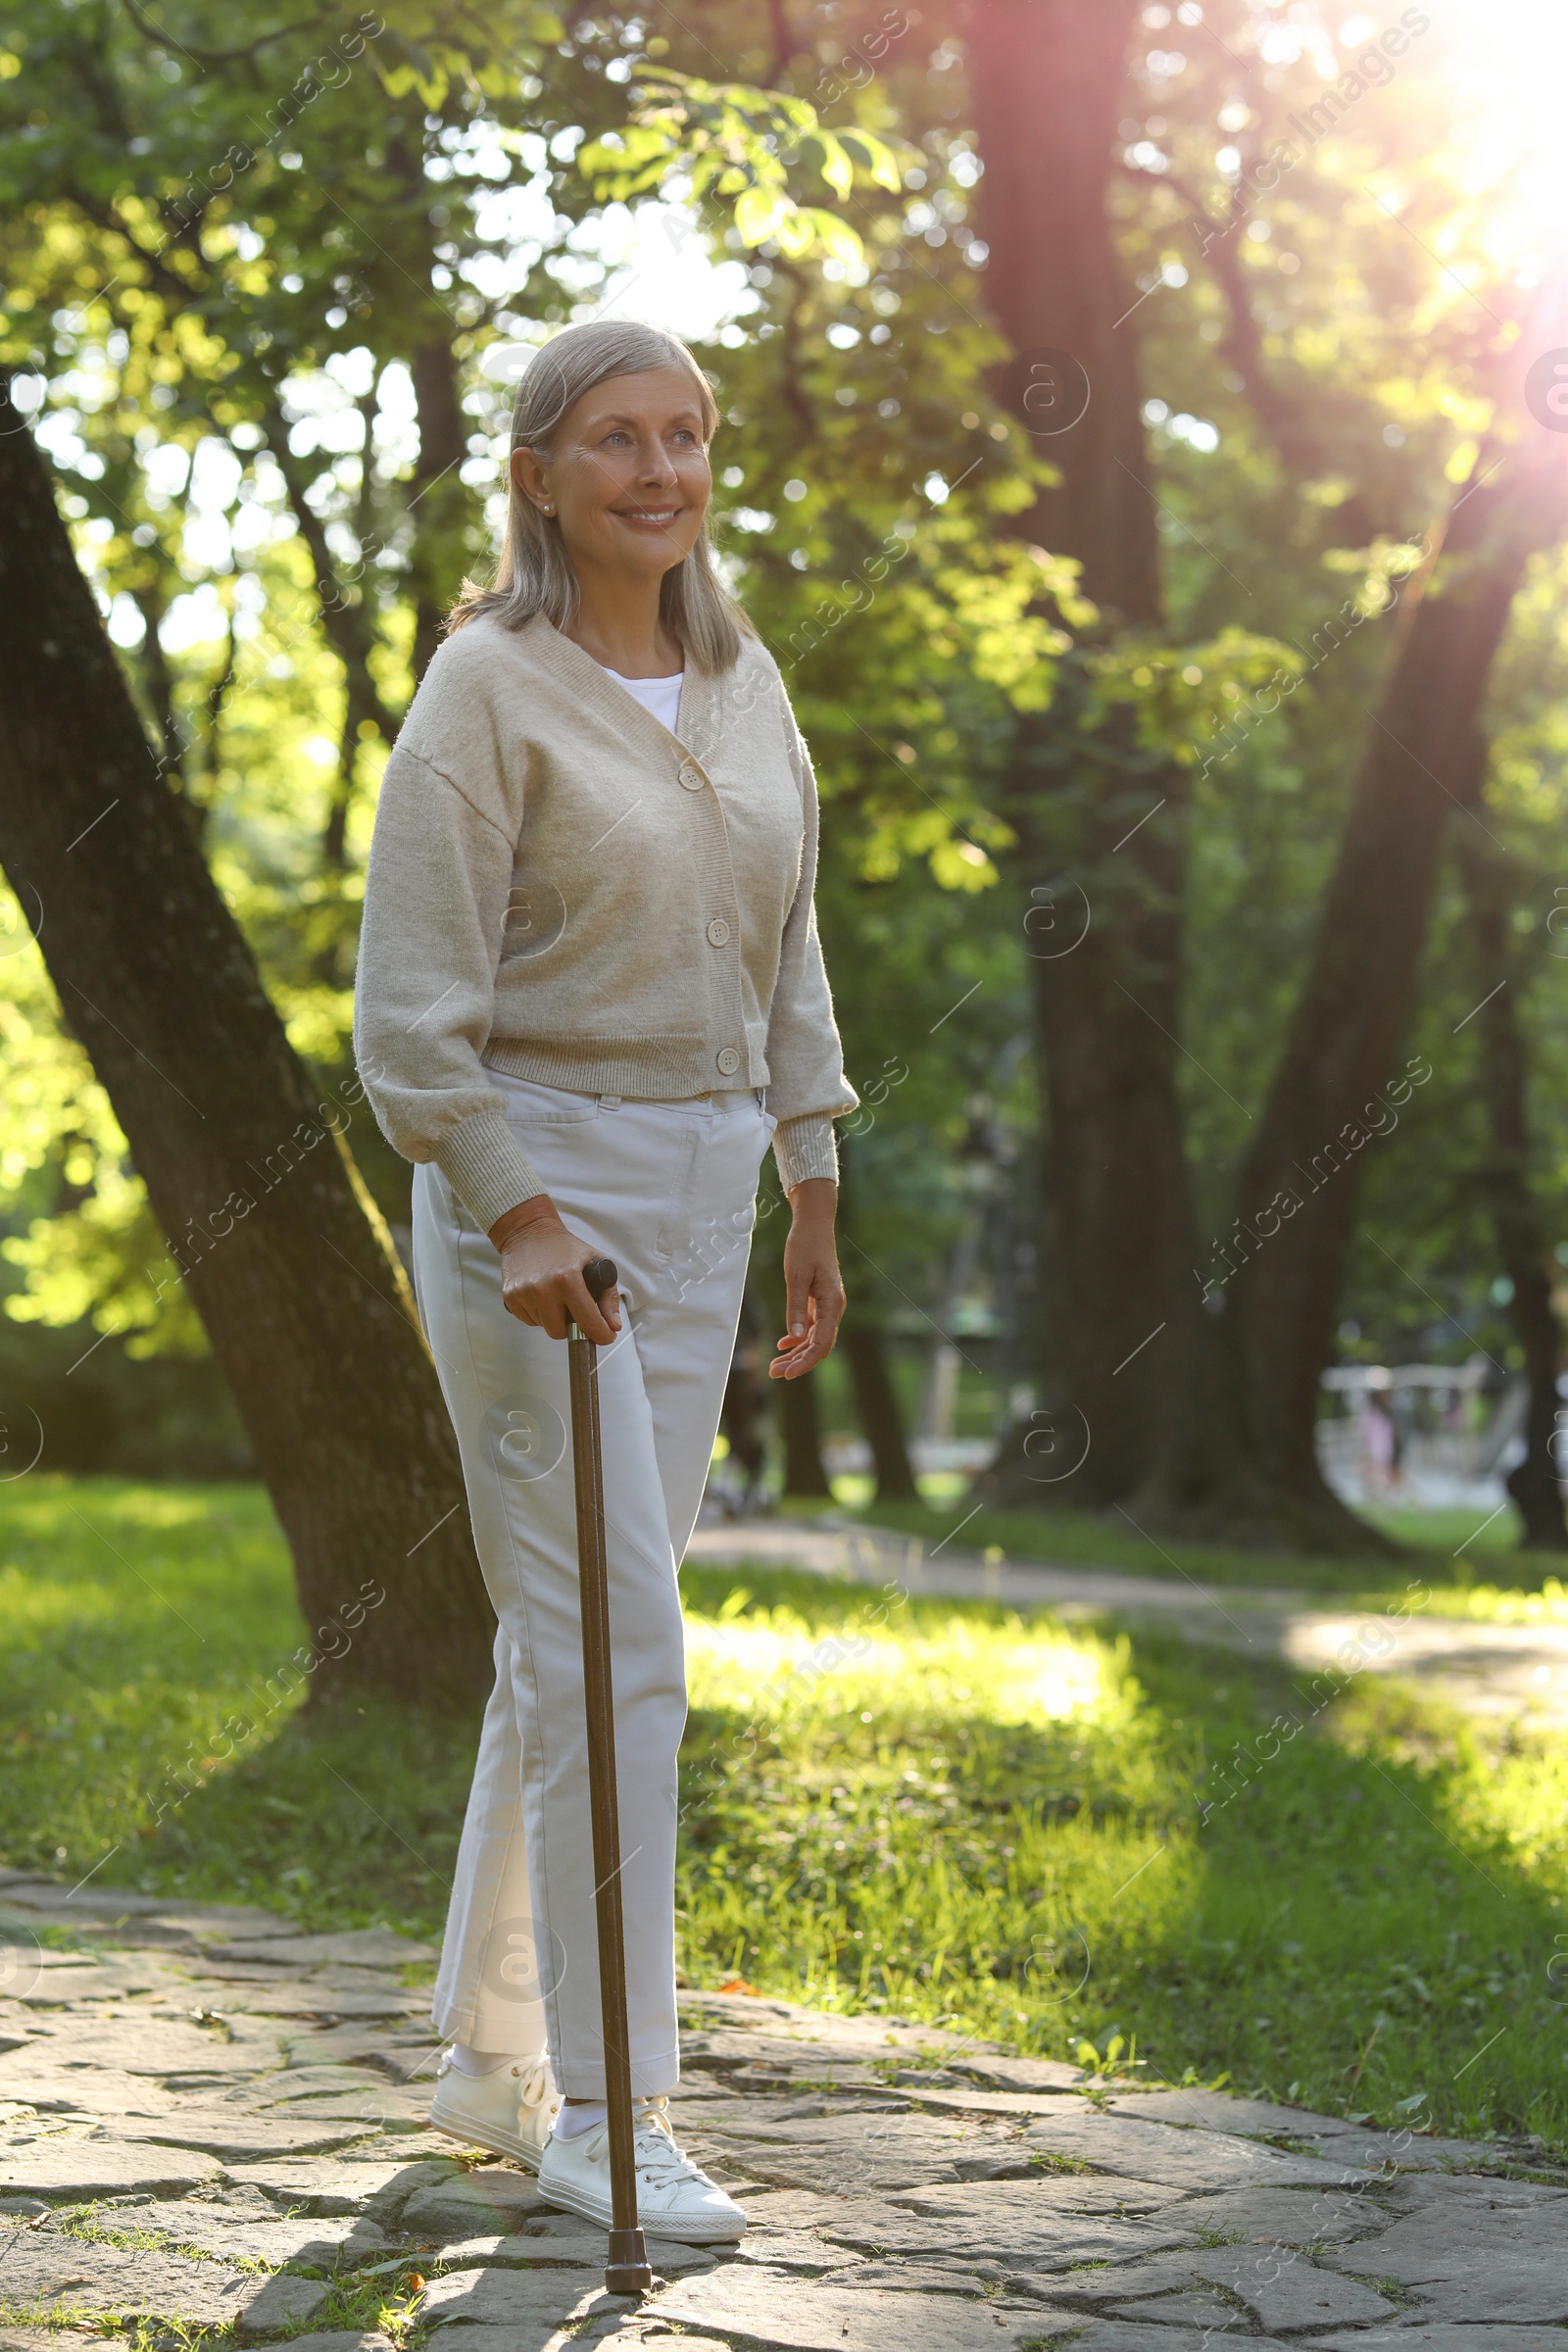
[[289, 1267], [1207, 1420], [1117, 1222], [1505, 1179], [1296, 1192]]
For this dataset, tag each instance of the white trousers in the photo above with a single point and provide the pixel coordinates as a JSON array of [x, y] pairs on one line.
[[669, 1191]]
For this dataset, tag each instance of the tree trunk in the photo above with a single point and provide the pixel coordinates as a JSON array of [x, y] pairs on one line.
[[287, 1261], [804, 1474], [1505, 1181], [440, 494], [877, 1404], [1100, 818], [1297, 1189], [742, 1418]]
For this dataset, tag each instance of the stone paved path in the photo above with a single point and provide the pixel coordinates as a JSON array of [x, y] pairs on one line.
[[208, 2119], [1515, 1670]]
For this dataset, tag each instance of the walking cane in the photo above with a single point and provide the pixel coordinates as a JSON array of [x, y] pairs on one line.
[[628, 2271]]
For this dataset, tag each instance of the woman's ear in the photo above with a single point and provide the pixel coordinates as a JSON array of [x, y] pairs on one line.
[[530, 479]]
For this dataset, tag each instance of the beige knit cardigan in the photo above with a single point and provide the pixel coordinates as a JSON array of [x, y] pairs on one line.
[[561, 889]]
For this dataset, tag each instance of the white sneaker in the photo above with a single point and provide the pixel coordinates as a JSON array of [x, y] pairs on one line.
[[509, 2112], [674, 2197]]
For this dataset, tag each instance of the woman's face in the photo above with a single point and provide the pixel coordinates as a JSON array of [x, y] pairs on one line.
[[629, 482]]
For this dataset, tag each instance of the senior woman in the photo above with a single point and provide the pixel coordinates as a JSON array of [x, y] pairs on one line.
[[590, 992]]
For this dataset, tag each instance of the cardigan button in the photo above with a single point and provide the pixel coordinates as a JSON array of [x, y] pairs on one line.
[[718, 932], [691, 777], [729, 1061]]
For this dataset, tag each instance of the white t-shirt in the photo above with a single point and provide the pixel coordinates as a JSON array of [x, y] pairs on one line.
[[661, 696]]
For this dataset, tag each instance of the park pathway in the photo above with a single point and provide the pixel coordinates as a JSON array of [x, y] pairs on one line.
[[1515, 1670], [208, 2120]]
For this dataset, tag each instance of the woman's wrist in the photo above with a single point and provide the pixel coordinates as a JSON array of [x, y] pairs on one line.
[[539, 1211], [816, 1199]]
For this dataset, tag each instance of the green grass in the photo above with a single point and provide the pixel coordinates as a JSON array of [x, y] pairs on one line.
[[140, 1622], [944, 1811], [1433, 1553]]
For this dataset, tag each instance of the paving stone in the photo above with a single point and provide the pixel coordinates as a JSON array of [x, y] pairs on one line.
[[1222, 2111], [1027, 2223], [47, 2339], [1469, 2223], [1141, 2335], [1002, 2073], [761, 2014], [104, 1979], [334, 2339], [257, 2233], [395, 2049], [355, 1947], [826, 2071], [374, 2107], [578, 2249], [1290, 2216], [325, 2186], [281, 2301], [110, 1906], [1207, 2311], [1418, 2194], [71, 2278], [1471, 2285], [524, 2302], [308, 2000], [1372, 2150], [236, 2137], [967, 2279], [1194, 2160], [469, 2205], [65, 2169], [85, 2090], [897, 2178], [1101, 2285], [145, 2042], [310, 2082], [793, 2250], [772, 2308], [854, 2154], [1286, 2291], [1446, 2336]]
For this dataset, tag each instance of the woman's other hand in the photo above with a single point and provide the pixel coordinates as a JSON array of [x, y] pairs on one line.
[[541, 1273], [812, 1288]]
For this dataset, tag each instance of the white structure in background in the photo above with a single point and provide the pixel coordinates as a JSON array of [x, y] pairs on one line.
[[1422, 1435]]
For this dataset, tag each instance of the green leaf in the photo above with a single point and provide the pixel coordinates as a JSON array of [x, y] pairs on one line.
[[835, 237], [757, 214], [835, 165], [878, 158]]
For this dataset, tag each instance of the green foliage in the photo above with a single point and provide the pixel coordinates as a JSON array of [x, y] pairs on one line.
[[737, 144], [259, 279]]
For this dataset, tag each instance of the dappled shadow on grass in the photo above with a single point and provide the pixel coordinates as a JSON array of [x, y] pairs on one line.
[[1443, 1550], [349, 1817], [152, 1732], [1343, 1909]]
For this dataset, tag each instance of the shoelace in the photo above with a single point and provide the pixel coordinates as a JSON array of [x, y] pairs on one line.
[[661, 2160], [534, 2085]]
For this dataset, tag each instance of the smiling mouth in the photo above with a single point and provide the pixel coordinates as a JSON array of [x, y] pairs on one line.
[[652, 516]]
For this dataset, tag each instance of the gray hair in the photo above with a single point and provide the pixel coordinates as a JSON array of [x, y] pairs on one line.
[[534, 573]]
